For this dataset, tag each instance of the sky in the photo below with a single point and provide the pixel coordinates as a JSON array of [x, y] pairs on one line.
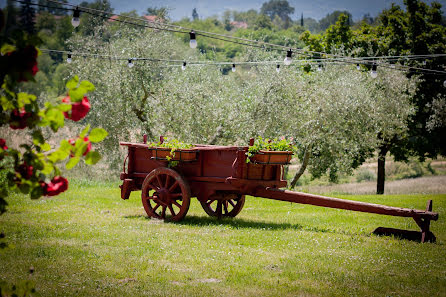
[[316, 9]]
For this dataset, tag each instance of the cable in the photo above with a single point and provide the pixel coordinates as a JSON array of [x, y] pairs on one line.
[[212, 35], [221, 63], [363, 60]]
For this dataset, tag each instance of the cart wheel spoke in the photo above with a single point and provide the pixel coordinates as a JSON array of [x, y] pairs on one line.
[[171, 210], [231, 202], [163, 214], [225, 205], [176, 195], [159, 181], [176, 204], [156, 207], [219, 209], [175, 184], [210, 202], [153, 187], [167, 181]]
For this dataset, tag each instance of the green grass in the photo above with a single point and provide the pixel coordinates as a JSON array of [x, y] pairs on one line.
[[89, 242]]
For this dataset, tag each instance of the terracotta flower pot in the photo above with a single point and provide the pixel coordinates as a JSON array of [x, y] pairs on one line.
[[161, 153], [271, 157]]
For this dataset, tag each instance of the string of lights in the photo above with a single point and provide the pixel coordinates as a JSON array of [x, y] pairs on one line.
[[384, 61], [298, 62]]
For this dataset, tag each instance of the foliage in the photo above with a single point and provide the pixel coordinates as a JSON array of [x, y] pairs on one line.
[[416, 31], [171, 143], [279, 8], [332, 18], [32, 167]]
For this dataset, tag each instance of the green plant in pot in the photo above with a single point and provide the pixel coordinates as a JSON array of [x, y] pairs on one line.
[[270, 151], [169, 148]]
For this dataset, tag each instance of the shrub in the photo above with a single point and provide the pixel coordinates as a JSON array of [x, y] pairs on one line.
[[365, 174]]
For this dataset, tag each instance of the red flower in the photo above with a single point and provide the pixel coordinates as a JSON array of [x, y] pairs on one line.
[[3, 144], [24, 61], [78, 109], [25, 170], [19, 119], [56, 186], [86, 139]]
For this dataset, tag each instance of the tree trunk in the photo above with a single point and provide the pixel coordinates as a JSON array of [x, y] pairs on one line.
[[302, 167], [381, 170]]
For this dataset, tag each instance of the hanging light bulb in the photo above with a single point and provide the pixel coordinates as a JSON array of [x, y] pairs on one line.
[[444, 84], [278, 68], [287, 61], [319, 67], [69, 59], [358, 67], [130, 64], [193, 40], [183, 67], [233, 68], [75, 21], [373, 72]]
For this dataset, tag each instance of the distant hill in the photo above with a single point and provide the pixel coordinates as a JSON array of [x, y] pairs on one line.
[[316, 9]]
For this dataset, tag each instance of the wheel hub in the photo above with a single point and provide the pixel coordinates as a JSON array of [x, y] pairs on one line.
[[164, 196]]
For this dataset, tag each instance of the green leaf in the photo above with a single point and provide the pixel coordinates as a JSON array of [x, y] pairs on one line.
[[87, 85], [85, 131], [55, 156], [72, 162], [24, 188], [72, 83], [46, 147], [36, 192], [55, 117], [38, 137], [77, 94], [92, 158], [65, 146], [97, 135], [25, 98], [6, 104], [7, 48], [64, 107], [47, 169]]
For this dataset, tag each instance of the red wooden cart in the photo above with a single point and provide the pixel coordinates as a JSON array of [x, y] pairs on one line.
[[219, 177]]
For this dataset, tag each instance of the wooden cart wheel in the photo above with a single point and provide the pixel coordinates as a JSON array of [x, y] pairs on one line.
[[165, 195], [223, 205]]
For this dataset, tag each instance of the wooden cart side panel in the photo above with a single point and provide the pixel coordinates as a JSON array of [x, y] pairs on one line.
[[218, 163]]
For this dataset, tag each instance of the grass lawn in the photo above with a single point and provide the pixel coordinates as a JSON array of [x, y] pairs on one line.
[[89, 242]]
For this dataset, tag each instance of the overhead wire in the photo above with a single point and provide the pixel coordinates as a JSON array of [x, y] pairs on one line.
[[227, 38]]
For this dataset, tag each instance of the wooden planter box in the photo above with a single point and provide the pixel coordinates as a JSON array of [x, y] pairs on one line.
[[259, 172], [272, 157], [161, 153]]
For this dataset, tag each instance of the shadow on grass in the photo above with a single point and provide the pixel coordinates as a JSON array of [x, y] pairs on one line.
[[236, 223]]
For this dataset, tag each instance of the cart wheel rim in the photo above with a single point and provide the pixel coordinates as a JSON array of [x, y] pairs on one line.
[[223, 205], [165, 195]]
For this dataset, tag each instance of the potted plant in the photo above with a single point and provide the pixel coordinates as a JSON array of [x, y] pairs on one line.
[[172, 150], [270, 151]]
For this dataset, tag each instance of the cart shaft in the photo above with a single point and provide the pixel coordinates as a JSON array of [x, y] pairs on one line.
[[304, 198]]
